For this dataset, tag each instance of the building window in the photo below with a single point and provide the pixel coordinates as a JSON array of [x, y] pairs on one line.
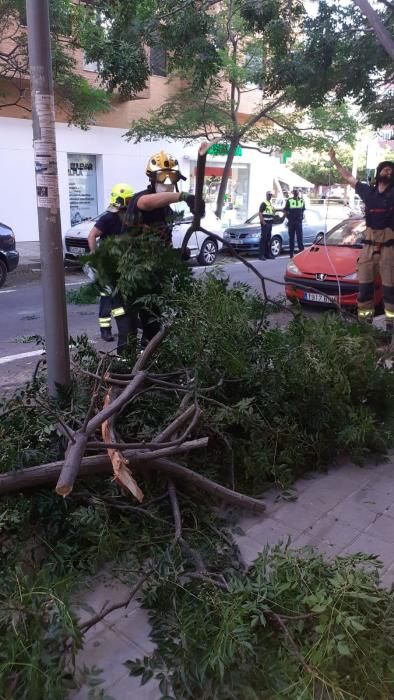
[[82, 186], [158, 61], [91, 66]]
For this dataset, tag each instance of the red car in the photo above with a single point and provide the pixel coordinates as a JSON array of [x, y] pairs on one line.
[[327, 271]]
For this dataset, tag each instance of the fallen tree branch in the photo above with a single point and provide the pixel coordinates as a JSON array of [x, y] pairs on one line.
[[115, 606], [76, 451], [119, 463], [47, 474]]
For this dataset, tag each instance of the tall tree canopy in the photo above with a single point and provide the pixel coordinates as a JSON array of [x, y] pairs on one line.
[[298, 68], [107, 31]]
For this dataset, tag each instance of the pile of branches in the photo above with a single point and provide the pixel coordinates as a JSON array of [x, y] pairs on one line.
[[121, 390]]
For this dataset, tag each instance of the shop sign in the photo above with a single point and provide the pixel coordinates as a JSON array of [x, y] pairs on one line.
[[82, 185]]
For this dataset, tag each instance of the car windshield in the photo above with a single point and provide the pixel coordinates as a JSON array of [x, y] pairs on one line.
[[348, 233]]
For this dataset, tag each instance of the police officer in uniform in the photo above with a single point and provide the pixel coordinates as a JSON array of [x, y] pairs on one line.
[[111, 224], [150, 210], [377, 255], [266, 216], [294, 211]]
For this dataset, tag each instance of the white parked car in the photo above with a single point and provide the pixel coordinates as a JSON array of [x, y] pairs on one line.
[[201, 246]]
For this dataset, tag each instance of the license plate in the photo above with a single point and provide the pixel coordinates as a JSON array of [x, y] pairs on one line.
[[319, 298], [77, 251]]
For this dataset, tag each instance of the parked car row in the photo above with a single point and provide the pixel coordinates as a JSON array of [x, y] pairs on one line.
[[245, 238], [201, 246]]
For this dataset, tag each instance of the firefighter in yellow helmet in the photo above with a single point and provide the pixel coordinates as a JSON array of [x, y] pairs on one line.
[[111, 224], [151, 208]]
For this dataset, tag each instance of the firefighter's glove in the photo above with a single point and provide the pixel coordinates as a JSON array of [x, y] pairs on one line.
[[190, 200]]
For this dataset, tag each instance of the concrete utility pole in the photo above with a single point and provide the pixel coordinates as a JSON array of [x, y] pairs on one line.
[[44, 141]]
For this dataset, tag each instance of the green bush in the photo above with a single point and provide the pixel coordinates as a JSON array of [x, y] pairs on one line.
[[85, 294]]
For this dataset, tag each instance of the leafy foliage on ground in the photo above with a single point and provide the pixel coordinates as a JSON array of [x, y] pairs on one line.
[[85, 294], [275, 403], [293, 626]]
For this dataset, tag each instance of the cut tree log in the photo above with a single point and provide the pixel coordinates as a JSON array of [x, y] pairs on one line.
[[47, 474]]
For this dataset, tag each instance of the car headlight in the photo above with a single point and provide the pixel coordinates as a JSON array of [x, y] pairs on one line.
[[293, 269], [226, 236], [255, 235], [353, 276]]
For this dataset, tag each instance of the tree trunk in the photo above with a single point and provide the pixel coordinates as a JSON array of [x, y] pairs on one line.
[[383, 35], [225, 177]]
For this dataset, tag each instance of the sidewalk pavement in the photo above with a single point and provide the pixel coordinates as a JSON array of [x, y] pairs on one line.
[[347, 510]]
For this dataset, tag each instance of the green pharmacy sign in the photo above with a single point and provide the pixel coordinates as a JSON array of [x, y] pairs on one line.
[[222, 149]]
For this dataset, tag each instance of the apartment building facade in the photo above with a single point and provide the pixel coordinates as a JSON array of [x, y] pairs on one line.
[[91, 162]]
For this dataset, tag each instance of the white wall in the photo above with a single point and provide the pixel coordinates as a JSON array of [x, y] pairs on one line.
[[118, 161]]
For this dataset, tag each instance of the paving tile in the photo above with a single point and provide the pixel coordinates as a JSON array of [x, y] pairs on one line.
[[107, 651], [377, 494], [371, 545], [136, 628], [353, 513], [298, 515], [269, 531], [382, 528], [129, 688], [327, 536], [249, 549], [101, 592], [326, 493]]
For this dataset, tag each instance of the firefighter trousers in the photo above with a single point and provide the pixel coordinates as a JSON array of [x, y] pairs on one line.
[[376, 258], [111, 306]]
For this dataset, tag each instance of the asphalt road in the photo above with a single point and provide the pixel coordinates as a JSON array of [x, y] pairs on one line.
[[22, 314]]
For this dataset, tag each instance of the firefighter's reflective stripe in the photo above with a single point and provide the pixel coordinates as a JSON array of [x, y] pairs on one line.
[[389, 314], [365, 313], [118, 311], [105, 321], [104, 294]]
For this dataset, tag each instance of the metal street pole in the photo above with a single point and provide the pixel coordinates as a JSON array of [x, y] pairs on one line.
[[44, 142]]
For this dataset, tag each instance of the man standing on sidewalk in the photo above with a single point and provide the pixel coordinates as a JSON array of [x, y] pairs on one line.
[[294, 211], [266, 216], [377, 254]]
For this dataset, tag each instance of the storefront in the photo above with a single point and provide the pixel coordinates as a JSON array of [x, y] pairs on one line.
[[236, 200], [82, 187]]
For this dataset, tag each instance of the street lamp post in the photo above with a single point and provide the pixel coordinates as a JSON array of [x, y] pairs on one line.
[[44, 143]]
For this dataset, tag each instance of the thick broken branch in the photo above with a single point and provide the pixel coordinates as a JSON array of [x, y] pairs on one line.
[[47, 474], [77, 450]]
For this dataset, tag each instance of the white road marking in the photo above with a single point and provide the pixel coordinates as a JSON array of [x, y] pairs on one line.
[[7, 291], [20, 356], [73, 284]]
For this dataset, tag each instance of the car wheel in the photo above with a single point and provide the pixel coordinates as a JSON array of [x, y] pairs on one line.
[[276, 246], [3, 272], [208, 252]]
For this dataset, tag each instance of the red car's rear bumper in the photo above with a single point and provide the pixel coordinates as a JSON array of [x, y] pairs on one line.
[[327, 294]]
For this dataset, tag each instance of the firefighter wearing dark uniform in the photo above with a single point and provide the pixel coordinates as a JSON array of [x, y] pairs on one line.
[[266, 216], [377, 255], [111, 224], [294, 211], [150, 211]]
